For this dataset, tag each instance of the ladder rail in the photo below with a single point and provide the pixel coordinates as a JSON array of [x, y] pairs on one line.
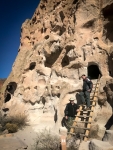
[[88, 122], [92, 108]]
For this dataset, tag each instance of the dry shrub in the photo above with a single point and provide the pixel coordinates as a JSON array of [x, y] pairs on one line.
[[17, 121], [47, 141], [12, 128]]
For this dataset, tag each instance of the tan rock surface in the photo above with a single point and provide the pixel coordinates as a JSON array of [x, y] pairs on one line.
[[63, 40], [12, 143]]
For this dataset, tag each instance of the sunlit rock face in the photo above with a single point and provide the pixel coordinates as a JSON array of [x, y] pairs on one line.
[[2, 82], [63, 40]]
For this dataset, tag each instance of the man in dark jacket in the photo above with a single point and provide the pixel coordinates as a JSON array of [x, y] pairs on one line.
[[70, 112], [85, 94]]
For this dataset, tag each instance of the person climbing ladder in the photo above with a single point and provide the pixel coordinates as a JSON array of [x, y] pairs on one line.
[[87, 88]]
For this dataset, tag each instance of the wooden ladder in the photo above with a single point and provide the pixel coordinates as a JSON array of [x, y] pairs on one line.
[[87, 118]]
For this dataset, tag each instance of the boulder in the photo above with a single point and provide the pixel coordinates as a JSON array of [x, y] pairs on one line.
[[108, 136], [99, 145]]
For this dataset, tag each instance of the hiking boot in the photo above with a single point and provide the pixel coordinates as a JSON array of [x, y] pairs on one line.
[[87, 108]]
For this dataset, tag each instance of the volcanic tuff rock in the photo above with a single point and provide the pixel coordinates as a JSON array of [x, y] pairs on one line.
[[63, 40], [2, 82]]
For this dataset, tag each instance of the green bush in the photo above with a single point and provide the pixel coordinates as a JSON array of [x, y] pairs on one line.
[[46, 141], [12, 128]]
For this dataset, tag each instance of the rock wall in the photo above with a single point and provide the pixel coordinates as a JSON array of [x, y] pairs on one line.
[[2, 82], [1, 94], [63, 40]]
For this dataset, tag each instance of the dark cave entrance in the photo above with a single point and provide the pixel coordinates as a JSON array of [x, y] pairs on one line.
[[8, 97], [65, 61], [110, 65], [51, 59], [11, 87], [109, 123], [32, 66], [93, 71], [108, 25]]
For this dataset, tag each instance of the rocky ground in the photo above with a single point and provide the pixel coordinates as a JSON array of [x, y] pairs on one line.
[[23, 139], [26, 138], [63, 40]]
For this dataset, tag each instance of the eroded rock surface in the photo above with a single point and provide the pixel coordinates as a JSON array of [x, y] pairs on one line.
[[1, 82], [63, 40], [13, 143], [100, 145]]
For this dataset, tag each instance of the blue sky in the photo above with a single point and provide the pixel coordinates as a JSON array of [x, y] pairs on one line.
[[12, 14]]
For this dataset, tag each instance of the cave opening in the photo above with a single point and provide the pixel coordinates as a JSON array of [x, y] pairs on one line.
[[51, 59], [93, 71], [8, 97], [108, 11], [108, 23], [110, 62], [32, 66], [11, 87], [65, 61], [109, 123], [111, 86]]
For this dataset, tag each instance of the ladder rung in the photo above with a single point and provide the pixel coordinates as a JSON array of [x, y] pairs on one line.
[[87, 110], [94, 91], [71, 133], [85, 105], [80, 128], [81, 121], [83, 116], [85, 135]]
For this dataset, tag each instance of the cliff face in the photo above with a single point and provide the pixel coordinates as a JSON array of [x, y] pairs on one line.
[[2, 82], [63, 40], [1, 94]]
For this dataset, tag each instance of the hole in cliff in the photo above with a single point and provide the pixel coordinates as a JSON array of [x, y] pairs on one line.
[[57, 28], [110, 62], [42, 6], [111, 86], [8, 97], [43, 30], [34, 19], [93, 71], [108, 23], [11, 87], [32, 66], [50, 60], [62, 30], [55, 115], [65, 61], [62, 15], [47, 37], [89, 24], [109, 123], [43, 101], [57, 4], [5, 109], [75, 1], [108, 11], [108, 29]]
